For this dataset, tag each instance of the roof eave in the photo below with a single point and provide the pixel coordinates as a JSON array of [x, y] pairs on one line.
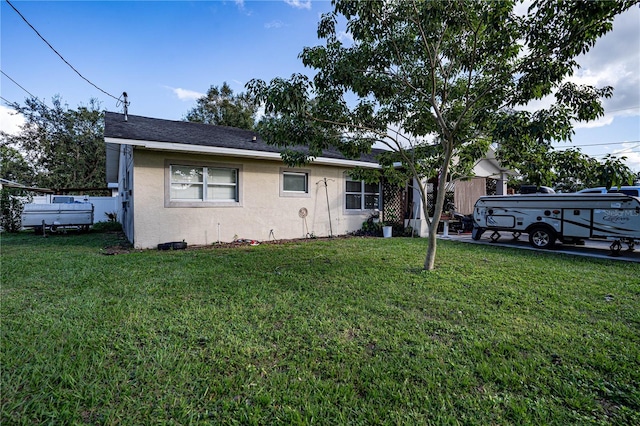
[[231, 152]]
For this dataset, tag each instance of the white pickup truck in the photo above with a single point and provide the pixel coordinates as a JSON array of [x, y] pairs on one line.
[[565, 217], [57, 215]]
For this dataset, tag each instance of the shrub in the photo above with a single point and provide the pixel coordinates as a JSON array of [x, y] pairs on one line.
[[12, 203]]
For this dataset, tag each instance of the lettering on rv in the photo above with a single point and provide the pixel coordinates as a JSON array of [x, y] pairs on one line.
[[617, 216]]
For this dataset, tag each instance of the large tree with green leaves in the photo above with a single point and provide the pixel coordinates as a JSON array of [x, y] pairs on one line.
[[221, 107], [456, 73], [63, 147], [567, 170], [13, 165]]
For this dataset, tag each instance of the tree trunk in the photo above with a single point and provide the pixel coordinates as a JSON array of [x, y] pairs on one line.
[[430, 260]]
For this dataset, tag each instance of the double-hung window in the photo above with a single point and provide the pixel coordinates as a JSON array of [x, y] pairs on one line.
[[361, 195], [203, 184]]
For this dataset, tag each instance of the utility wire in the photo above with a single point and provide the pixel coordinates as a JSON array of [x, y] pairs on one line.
[[56, 52], [593, 144], [8, 102], [18, 84], [35, 98]]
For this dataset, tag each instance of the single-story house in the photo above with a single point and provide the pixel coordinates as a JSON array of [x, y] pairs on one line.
[[200, 183], [204, 184]]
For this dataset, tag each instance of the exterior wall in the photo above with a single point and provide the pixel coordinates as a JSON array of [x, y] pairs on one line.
[[125, 195], [263, 212]]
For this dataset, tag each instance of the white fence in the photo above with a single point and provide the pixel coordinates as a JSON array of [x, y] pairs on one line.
[[101, 205]]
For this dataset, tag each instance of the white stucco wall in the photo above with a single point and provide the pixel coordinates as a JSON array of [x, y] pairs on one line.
[[262, 209]]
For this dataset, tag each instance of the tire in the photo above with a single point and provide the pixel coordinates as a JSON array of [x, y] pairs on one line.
[[542, 237]]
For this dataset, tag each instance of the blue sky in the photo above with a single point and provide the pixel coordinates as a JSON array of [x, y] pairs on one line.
[[165, 54]]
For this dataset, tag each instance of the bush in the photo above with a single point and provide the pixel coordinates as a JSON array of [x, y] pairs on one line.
[[11, 206], [107, 227]]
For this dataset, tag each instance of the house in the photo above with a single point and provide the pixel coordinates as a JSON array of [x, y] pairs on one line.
[[205, 184]]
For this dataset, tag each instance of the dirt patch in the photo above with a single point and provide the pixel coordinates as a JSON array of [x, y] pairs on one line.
[[126, 248], [119, 249], [248, 243]]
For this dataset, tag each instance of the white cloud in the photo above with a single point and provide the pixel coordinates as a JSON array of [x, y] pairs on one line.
[[274, 24], [632, 152], [10, 120], [613, 61], [299, 4], [345, 37], [185, 94]]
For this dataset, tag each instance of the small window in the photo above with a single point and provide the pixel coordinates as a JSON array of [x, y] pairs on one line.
[[361, 196], [294, 182]]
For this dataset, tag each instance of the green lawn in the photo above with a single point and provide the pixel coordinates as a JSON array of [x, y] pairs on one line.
[[320, 332]]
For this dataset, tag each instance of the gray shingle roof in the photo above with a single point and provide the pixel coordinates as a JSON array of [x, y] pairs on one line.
[[184, 132]]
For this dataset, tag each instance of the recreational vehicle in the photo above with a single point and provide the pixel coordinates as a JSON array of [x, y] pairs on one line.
[[565, 217]]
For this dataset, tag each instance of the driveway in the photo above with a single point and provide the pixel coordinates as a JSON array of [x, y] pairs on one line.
[[591, 248]]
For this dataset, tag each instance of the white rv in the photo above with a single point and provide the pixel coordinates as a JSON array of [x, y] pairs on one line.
[[62, 213], [565, 217]]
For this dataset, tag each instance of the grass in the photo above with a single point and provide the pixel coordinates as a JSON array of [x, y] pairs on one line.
[[325, 332]]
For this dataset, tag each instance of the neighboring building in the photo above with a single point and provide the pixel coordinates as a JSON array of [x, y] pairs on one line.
[[203, 184]]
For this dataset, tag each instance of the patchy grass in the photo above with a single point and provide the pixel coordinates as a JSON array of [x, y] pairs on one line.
[[330, 332]]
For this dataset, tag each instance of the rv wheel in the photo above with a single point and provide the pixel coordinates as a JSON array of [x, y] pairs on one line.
[[542, 237]]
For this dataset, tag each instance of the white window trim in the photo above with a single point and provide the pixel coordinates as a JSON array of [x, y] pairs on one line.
[[294, 194], [362, 194], [169, 203]]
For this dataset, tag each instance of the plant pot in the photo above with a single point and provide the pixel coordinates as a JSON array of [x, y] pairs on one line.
[[387, 231]]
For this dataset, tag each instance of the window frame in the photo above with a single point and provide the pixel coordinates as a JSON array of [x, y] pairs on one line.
[[294, 194], [362, 193], [202, 202]]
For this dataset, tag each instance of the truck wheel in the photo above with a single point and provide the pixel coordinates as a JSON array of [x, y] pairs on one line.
[[542, 237], [476, 233]]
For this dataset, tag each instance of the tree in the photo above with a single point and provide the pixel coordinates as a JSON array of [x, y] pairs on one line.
[[566, 170], [63, 147], [221, 107], [12, 201], [436, 79], [14, 167]]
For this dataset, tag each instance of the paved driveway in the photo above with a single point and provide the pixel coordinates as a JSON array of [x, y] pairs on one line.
[[592, 248]]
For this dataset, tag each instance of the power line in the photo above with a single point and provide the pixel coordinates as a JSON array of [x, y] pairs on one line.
[[35, 98], [18, 84], [8, 102], [593, 144], [56, 52], [622, 109]]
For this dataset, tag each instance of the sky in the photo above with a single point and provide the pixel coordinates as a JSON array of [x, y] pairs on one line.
[[166, 54]]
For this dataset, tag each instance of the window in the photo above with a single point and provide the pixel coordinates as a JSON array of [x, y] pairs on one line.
[[294, 183], [202, 184], [361, 195]]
